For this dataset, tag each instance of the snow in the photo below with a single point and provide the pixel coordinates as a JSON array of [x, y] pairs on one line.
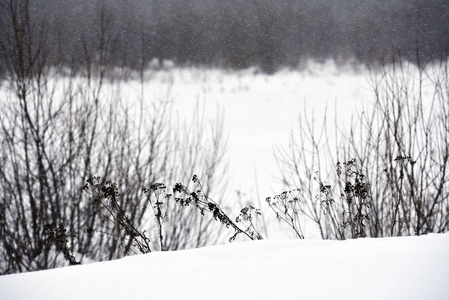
[[260, 111], [388, 268]]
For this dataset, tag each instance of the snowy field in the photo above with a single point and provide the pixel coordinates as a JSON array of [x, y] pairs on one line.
[[260, 111], [390, 268]]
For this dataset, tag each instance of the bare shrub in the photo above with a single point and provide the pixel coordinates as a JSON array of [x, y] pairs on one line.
[[395, 177], [57, 130]]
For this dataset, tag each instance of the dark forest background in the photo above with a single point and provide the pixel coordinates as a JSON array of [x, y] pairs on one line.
[[233, 33]]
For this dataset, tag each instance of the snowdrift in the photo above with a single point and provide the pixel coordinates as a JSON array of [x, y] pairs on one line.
[[388, 268]]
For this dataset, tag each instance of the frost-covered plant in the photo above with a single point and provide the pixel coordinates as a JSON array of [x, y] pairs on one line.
[[204, 204], [129, 237], [350, 213], [286, 208], [157, 196], [357, 198], [105, 199], [57, 235]]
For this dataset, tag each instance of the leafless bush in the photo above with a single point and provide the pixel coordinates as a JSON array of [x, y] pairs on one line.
[[396, 153], [56, 131]]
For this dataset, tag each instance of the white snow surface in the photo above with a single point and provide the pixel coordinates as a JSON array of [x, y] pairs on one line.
[[385, 268]]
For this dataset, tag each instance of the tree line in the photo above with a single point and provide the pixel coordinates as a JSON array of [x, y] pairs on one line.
[[232, 33]]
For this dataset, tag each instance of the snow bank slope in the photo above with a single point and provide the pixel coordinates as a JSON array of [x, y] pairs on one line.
[[390, 268]]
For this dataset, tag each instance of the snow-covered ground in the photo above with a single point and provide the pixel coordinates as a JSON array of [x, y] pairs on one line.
[[260, 111], [389, 268]]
